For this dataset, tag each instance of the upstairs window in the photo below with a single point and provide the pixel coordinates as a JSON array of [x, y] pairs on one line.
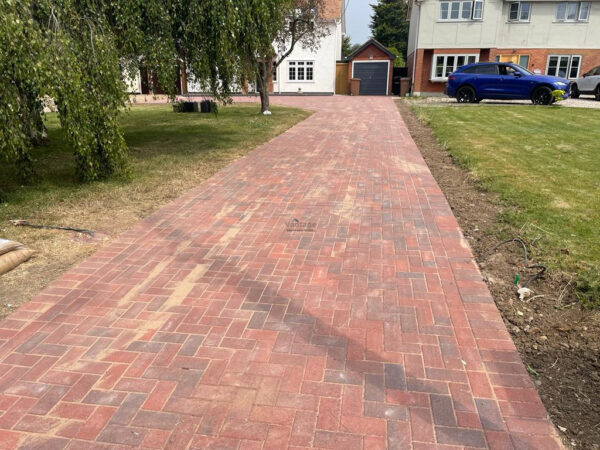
[[519, 12], [573, 11], [461, 10]]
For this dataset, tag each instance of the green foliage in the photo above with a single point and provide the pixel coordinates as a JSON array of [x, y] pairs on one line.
[[390, 25], [348, 47], [588, 289], [76, 52], [399, 61], [60, 51]]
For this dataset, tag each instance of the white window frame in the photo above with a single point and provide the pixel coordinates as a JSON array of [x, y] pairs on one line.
[[519, 12], [578, 18], [475, 12], [387, 79], [304, 64], [454, 66], [569, 66]]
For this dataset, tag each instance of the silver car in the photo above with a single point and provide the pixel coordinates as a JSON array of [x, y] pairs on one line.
[[588, 84]]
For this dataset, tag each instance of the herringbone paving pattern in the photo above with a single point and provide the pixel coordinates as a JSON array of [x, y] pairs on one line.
[[217, 323]]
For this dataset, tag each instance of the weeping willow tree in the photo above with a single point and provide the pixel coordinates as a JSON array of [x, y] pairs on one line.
[[269, 32], [76, 52]]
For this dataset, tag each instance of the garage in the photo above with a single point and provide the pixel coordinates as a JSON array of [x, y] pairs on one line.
[[373, 65], [373, 77]]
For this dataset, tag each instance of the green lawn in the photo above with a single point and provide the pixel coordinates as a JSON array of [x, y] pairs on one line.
[[166, 148], [170, 154], [544, 162]]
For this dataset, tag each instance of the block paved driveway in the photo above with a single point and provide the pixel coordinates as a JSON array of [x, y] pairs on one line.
[[212, 324]]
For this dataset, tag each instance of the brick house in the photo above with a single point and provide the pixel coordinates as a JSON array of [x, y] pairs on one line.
[[548, 37]]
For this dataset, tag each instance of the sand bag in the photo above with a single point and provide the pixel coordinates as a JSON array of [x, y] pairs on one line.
[[12, 254], [8, 246]]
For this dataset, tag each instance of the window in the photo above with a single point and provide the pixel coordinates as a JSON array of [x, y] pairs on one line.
[[483, 69], [522, 60], [595, 71], [572, 11], [564, 66], [301, 70], [519, 12], [444, 65], [274, 74], [461, 10]]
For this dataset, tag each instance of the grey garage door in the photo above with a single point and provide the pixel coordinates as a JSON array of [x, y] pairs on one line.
[[373, 76]]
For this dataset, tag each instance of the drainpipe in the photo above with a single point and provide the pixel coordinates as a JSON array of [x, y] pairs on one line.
[[416, 52]]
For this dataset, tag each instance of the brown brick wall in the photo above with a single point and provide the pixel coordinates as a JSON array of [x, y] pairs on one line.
[[423, 68], [537, 60]]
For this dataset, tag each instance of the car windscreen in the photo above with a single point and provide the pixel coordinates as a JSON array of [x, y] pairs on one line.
[[524, 70]]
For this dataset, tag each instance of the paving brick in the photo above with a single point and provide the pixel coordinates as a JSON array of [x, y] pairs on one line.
[[332, 440], [443, 412], [116, 434], [107, 398], [95, 423], [460, 436]]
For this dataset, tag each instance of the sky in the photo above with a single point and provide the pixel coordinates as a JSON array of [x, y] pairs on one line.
[[358, 18]]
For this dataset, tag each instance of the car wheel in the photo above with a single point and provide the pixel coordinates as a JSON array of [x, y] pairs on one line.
[[575, 91], [542, 96], [597, 93], [466, 94]]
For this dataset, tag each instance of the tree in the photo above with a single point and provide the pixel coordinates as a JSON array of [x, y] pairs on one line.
[[399, 61], [270, 31], [389, 24], [75, 52], [347, 47]]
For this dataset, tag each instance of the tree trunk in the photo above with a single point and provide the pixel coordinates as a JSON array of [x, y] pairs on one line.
[[262, 84], [264, 101]]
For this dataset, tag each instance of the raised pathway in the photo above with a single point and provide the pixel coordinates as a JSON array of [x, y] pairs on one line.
[[215, 323]]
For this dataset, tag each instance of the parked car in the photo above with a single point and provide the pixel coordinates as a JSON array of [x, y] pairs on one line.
[[588, 84], [503, 81]]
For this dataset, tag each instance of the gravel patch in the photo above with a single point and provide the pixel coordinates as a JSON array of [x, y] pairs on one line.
[[585, 101]]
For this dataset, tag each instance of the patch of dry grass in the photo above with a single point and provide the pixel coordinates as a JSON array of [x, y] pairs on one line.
[[171, 153]]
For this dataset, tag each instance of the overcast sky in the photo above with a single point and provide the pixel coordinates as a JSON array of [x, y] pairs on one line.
[[358, 18]]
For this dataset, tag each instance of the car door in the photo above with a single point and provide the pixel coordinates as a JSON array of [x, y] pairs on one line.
[[487, 80], [515, 84], [590, 80]]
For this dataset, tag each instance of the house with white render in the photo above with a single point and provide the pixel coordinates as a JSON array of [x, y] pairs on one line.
[[545, 36], [313, 71], [303, 71]]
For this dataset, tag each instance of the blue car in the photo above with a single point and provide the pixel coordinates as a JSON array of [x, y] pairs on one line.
[[503, 81]]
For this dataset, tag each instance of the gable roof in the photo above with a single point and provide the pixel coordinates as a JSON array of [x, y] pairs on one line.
[[374, 42], [332, 9]]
